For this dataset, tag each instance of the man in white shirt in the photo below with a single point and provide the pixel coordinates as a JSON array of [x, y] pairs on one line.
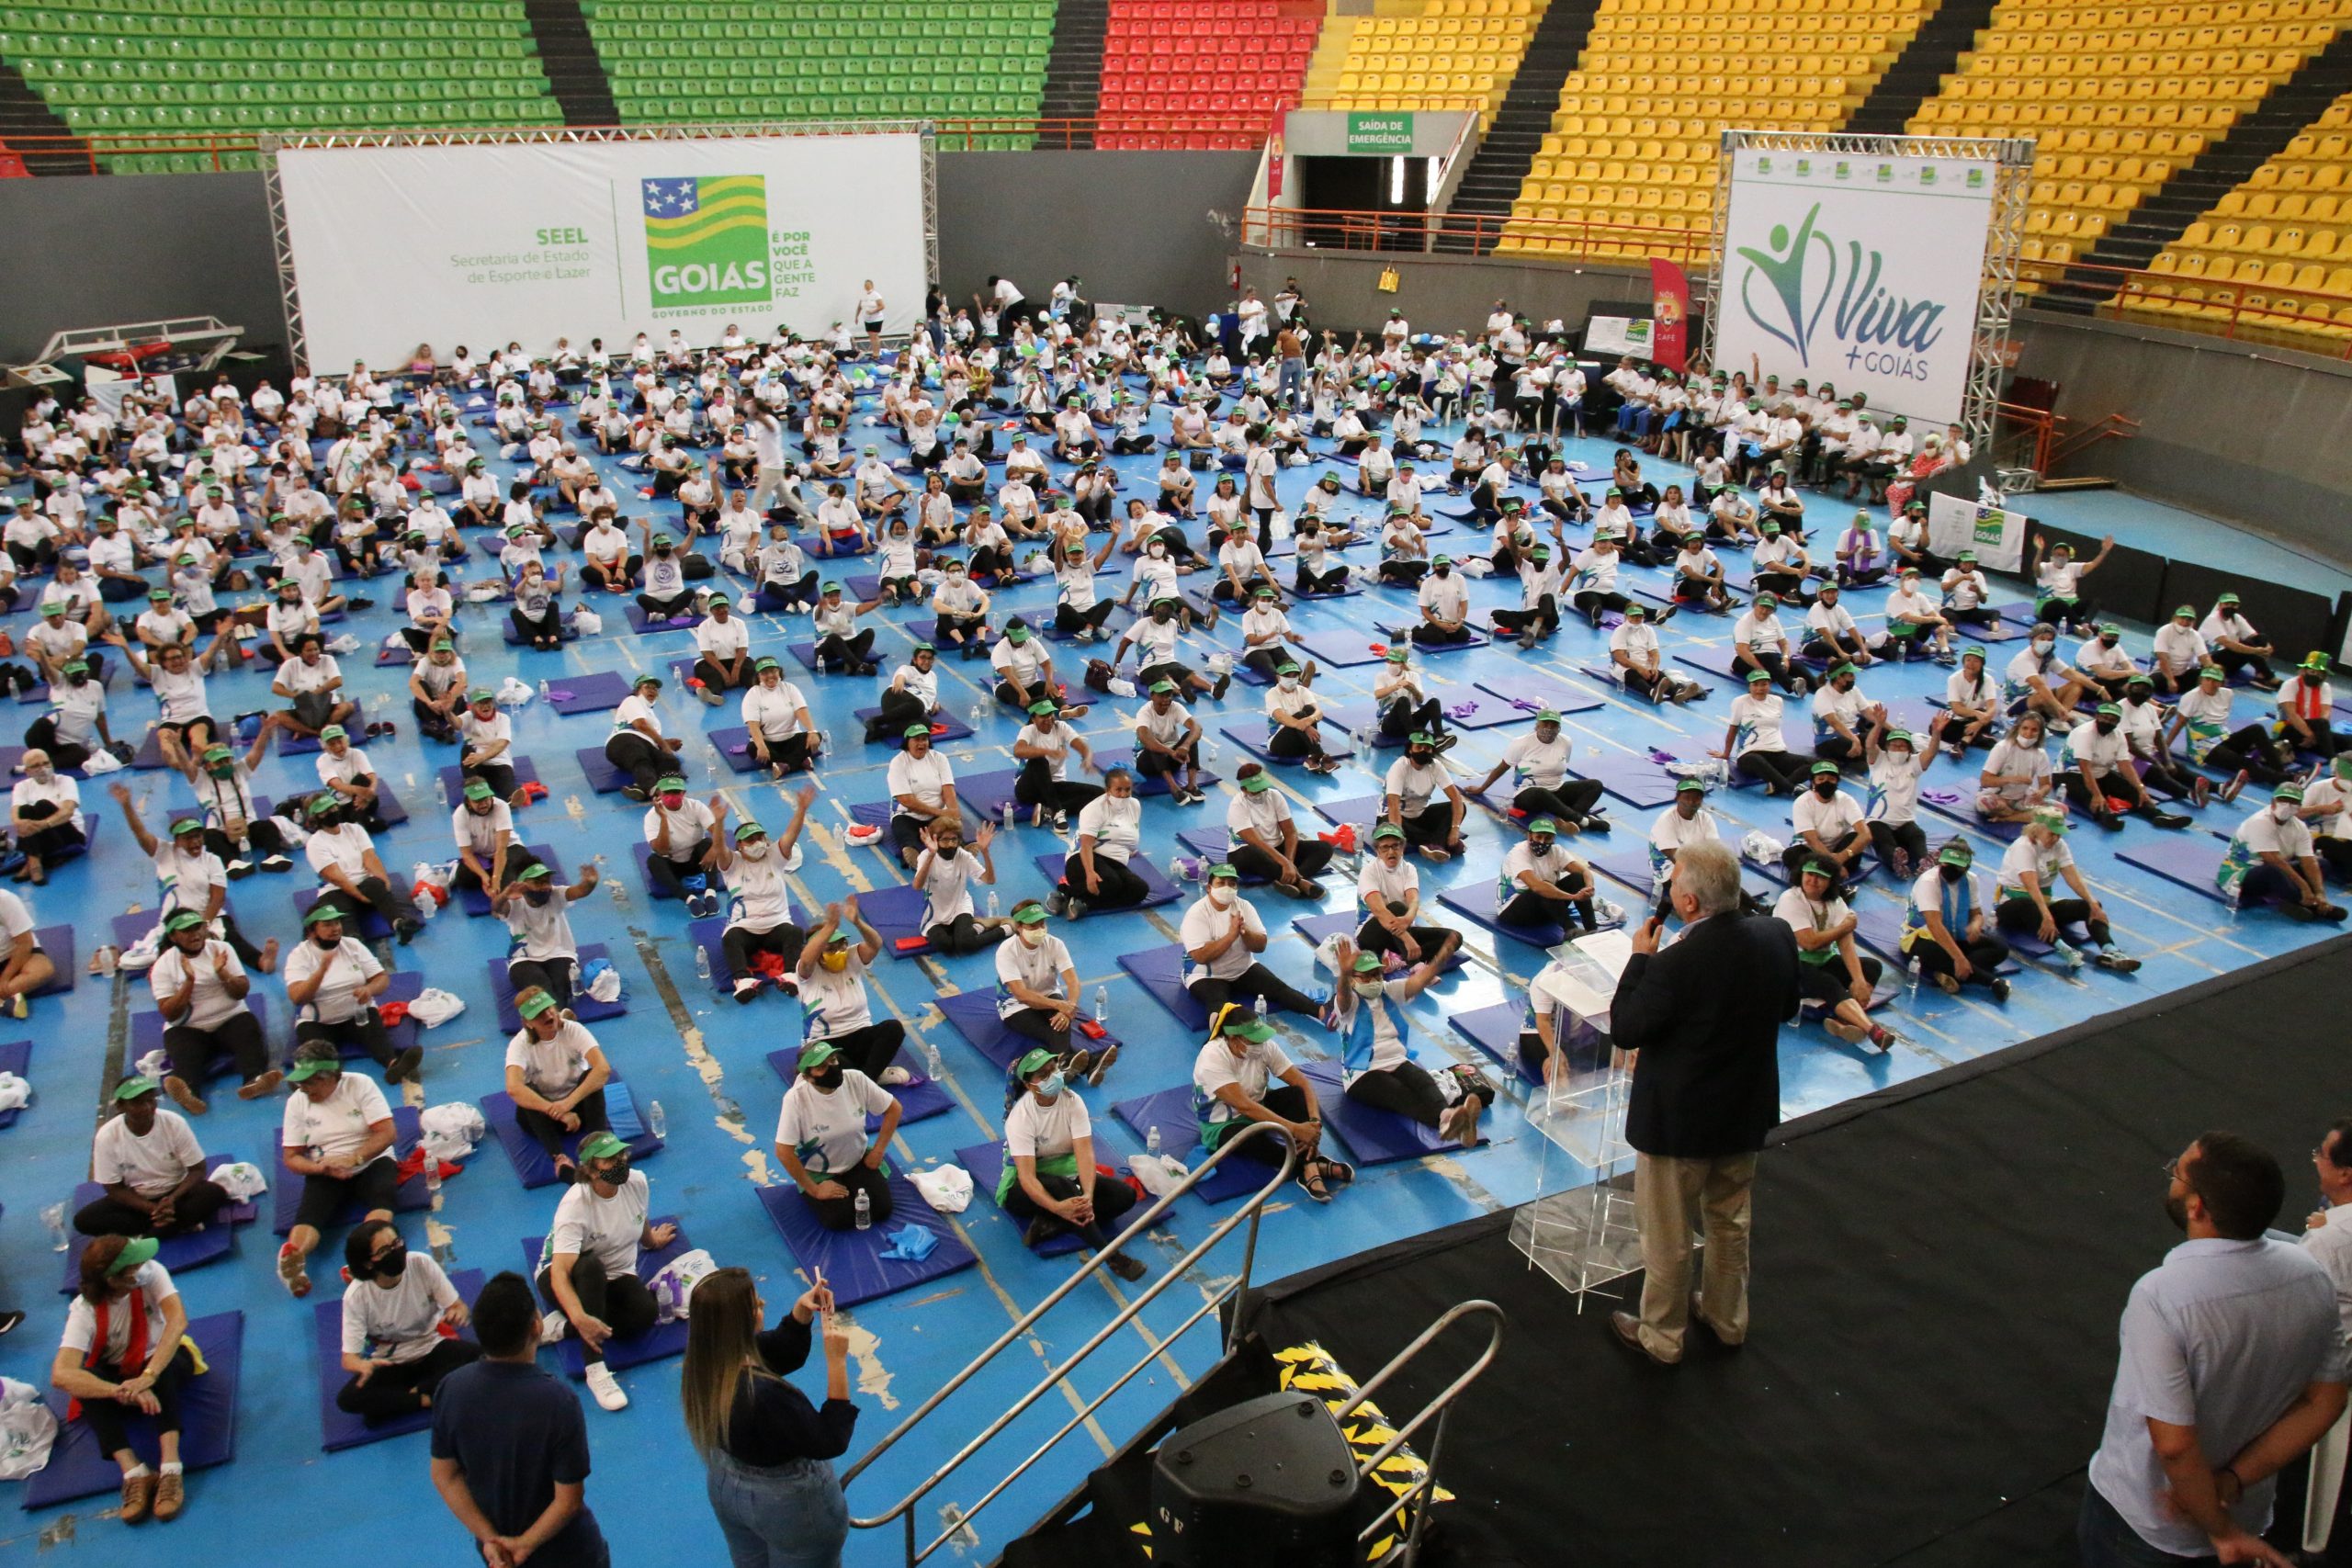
[[151, 1167]]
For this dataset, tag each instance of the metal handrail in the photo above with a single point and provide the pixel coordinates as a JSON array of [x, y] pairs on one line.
[[1249, 1212], [1440, 1404]]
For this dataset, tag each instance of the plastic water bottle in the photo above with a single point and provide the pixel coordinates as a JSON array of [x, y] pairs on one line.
[[932, 1068], [1915, 977], [432, 1175], [54, 1218], [440, 792], [702, 962], [1102, 1004], [655, 1122], [1151, 1139], [543, 689], [1007, 828], [865, 1209], [992, 903]]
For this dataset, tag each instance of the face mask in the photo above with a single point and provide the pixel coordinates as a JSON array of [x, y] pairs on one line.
[[834, 963], [538, 895], [1826, 788], [756, 850], [2282, 813], [2042, 647], [613, 1174], [1368, 987], [1420, 756], [2105, 726], [1952, 872], [1031, 936], [2108, 641], [1050, 1085], [1445, 571], [1222, 898], [390, 1264], [1289, 683], [672, 802], [1156, 550]]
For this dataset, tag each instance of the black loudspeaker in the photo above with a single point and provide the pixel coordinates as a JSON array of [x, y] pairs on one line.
[[1271, 1480]]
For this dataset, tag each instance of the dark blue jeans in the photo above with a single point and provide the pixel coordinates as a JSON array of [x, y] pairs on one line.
[[2107, 1541]]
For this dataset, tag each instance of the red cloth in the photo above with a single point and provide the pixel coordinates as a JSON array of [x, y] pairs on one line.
[[134, 1350]]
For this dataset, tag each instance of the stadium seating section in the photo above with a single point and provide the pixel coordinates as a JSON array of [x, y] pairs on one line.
[[825, 60], [1200, 73], [178, 67], [1450, 54], [2117, 97], [2289, 227]]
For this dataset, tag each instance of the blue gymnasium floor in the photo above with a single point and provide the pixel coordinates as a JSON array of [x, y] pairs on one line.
[[702, 1057]]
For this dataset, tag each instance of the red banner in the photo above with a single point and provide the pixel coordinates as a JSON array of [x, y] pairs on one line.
[[1669, 313]]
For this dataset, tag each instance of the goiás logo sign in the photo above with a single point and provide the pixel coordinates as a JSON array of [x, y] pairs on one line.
[[1830, 301], [707, 240]]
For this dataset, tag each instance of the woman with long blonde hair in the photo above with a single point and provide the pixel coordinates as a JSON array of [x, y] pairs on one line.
[[766, 1449]]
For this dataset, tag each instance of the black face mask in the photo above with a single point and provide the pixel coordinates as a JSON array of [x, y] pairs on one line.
[[826, 1078], [326, 941], [1826, 788], [1952, 872], [77, 680], [390, 1263], [537, 896], [614, 1173], [2105, 726]]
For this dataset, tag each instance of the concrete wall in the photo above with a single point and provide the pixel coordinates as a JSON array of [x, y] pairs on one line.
[[90, 251], [1436, 292]]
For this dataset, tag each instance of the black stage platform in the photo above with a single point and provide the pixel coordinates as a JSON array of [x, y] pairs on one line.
[[1938, 1273]]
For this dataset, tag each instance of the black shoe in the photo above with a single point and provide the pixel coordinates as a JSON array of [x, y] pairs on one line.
[[1446, 741], [8, 1320], [404, 931], [403, 1066], [1119, 1263]]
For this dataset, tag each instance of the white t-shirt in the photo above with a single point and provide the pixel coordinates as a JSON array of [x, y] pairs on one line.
[[776, 714], [1205, 923], [1756, 723], [151, 1165], [1216, 1066], [690, 826], [1414, 784], [947, 887], [607, 1229], [1045, 1131], [835, 1004], [722, 640], [1039, 968], [926, 778], [1832, 819], [402, 1320], [210, 1004], [1392, 884], [827, 1132], [345, 847], [553, 1068], [2047, 861], [1671, 831], [151, 1284], [349, 966], [1115, 825], [1536, 765], [335, 1127]]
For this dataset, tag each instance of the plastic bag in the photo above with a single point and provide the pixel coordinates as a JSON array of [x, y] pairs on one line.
[[435, 1007], [585, 622], [28, 1429], [1281, 526], [450, 1131], [947, 1188], [15, 1092], [242, 1181], [347, 643], [1761, 848], [605, 982], [102, 761], [674, 1287], [154, 1065], [1159, 1174], [1477, 566], [142, 953], [512, 693]]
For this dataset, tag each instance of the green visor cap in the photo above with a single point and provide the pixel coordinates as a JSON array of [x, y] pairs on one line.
[[182, 920], [605, 1145], [1956, 854], [1257, 783], [1691, 786], [133, 1087], [1029, 915], [138, 1250], [532, 1006], [1387, 830], [1042, 707], [479, 789], [1032, 1063]]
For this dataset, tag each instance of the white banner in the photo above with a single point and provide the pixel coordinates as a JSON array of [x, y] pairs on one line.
[[1862, 272], [1997, 536], [531, 240]]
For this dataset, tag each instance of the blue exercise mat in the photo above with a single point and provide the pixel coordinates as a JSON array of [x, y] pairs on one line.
[[1362, 718], [1362, 810], [1107, 757], [644, 625], [475, 901], [985, 1162], [1962, 810], [16, 1056], [1495, 1030], [974, 1016], [919, 1097], [1339, 648], [852, 1261], [1159, 971], [532, 1165], [1711, 660], [2192, 861], [601, 776], [587, 1009], [1211, 844], [660, 1341], [1475, 902], [895, 914], [388, 809], [596, 692], [395, 656], [1119, 620], [1171, 1111], [453, 778], [57, 942], [1371, 1135], [1252, 735], [709, 933], [285, 1186], [945, 728], [985, 795], [642, 852], [1525, 695], [512, 638], [1158, 889], [733, 742], [338, 1428], [1402, 633], [1631, 777], [177, 1254], [208, 1424]]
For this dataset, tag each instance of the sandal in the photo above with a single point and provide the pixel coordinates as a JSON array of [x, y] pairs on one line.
[[1310, 1177], [1338, 1171]]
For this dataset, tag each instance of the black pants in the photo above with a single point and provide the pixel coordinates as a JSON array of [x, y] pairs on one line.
[[657, 608], [54, 839], [791, 753], [789, 595], [835, 648], [633, 755], [41, 735], [962, 935], [621, 1302], [1407, 1089], [870, 1049], [1572, 801], [238, 1035], [1543, 620], [1827, 982], [1986, 953], [261, 833], [946, 629], [1037, 786], [841, 1214], [1374, 936], [1293, 744], [111, 1216], [1330, 580], [2251, 748], [1528, 907], [1286, 1101], [1888, 837], [1221, 590], [549, 1133], [898, 711], [1310, 855], [1121, 888], [1778, 769], [1432, 824], [2018, 916], [669, 875], [375, 894], [364, 1029], [546, 629], [553, 975], [396, 1390], [499, 776], [2231, 663], [108, 1419], [1401, 717], [1430, 635], [1795, 856], [1258, 981], [742, 946], [1403, 573], [1071, 622], [1113, 1198], [371, 1187], [1783, 674]]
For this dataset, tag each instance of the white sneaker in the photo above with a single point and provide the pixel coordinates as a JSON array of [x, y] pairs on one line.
[[277, 863], [240, 867], [895, 1077], [553, 1327], [606, 1387]]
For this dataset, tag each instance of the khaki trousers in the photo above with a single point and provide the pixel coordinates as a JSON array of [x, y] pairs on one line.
[[1671, 1197]]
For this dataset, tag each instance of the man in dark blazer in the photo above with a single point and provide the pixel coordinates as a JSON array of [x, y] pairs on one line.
[[1704, 1019]]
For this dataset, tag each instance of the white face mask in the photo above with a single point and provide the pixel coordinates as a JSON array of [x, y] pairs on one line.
[[2283, 812], [1289, 683], [1222, 898], [756, 850], [2040, 646], [1368, 988], [1156, 550], [1032, 935]]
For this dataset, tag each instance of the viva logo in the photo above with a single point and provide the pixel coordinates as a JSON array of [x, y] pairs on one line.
[[1802, 281]]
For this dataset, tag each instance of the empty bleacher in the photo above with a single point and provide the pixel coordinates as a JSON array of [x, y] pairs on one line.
[[1201, 73], [706, 62], [2118, 97], [2270, 245], [1635, 144], [1448, 54], [174, 70]]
